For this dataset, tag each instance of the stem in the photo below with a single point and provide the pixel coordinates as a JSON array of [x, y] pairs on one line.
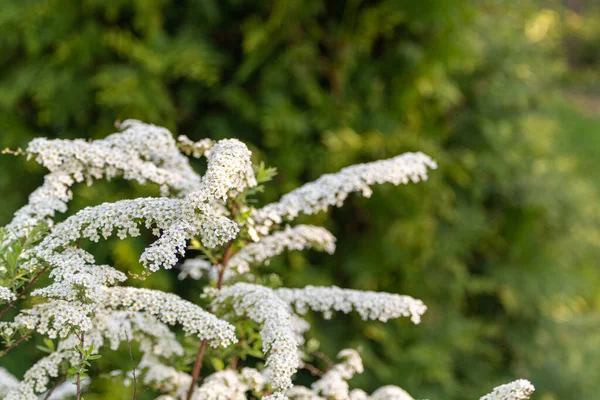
[[57, 384], [312, 369], [78, 374], [234, 362], [198, 364], [25, 289], [133, 365], [9, 348]]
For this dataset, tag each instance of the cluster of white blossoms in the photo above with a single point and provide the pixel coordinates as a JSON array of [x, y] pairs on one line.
[[85, 307], [261, 305], [195, 149], [75, 277], [520, 389], [142, 152], [37, 378], [333, 189], [7, 382], [55, 318], [226, 384], [299, 237], [6, 294], [171, 309], [333, 384], [369, 305]]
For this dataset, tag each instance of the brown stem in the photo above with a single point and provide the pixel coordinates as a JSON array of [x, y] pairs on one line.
[[133, 365], [197, 368], [323, 357], [234, 362], [198, 364], [57, 384], [25, 289], [23, 338], [312, 369], [78, 374]]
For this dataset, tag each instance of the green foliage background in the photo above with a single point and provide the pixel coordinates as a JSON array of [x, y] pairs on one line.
[[501, 243]]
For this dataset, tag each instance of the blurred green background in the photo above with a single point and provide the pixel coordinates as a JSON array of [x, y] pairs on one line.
[[502, 243]]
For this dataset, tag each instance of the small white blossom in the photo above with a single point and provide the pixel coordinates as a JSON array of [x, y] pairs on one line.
[[369, 305], [171, 309], [142, 152], [37, 378], [389, 393], [332, 189], [520, 389], [299, 237], [279, 342], [195, 149], [6, 294], [7, 382], [196, 268], [333, 384]]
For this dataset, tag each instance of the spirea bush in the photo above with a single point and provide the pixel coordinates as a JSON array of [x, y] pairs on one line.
[[86, 311]]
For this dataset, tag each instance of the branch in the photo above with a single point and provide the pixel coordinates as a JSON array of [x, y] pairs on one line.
[[23, 338], [57, 384], [198, 363], [25, 289], [133, 365], [78, 374]]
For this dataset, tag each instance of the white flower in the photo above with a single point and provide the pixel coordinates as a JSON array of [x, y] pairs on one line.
[[6, 294], [196, 268], [332, 189], [333, 386], [171, 309], [279, 342], [195, 149], [37, 378], [299, 237], [369, 305], [7, 382], [520, 389], [142, 152], [390, 393]]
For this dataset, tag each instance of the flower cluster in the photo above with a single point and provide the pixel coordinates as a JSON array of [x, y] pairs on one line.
[[7, 382], [299, 237], [38, 377], [142, 152], [520, 389], [171, 309], [279, 343], [55, 318], [333, 384], [76, 277], [369, 305], [332, 189], [85, 308], [6, 295], [195, 149]]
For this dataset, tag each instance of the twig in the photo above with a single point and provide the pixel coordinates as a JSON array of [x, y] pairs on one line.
[[21, 339], [133, 365], [312, 369], [25, 289], [82, 337], [234, 362], [198, 363], [57, 384], [323, 357]]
